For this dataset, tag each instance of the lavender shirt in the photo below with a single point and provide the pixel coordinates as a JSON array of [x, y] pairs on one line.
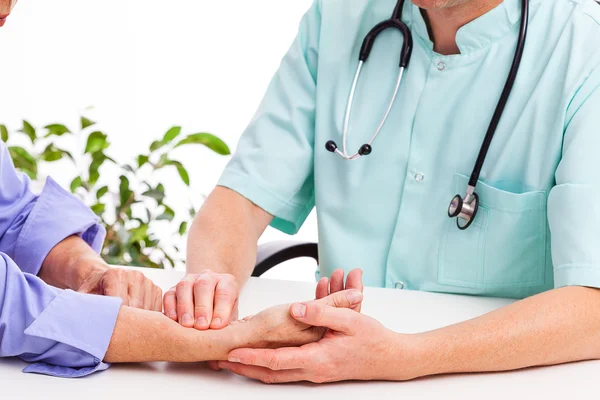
[[62, 333]]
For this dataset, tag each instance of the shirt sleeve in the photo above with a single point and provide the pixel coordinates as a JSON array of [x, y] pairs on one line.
[[62, 333], [31, 225], [574, 203], [273, 163]]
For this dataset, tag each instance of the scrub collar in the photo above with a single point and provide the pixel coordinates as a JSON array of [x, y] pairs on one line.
[[477, 34]]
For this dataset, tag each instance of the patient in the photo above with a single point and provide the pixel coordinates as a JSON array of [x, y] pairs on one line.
[[51, 276]]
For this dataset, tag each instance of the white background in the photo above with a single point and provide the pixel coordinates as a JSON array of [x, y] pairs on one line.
[[146, 65]]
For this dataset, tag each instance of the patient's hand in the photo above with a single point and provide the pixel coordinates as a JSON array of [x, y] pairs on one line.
[[275, 328]]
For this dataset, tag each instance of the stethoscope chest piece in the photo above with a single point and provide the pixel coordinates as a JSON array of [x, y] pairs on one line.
[[464, 210]]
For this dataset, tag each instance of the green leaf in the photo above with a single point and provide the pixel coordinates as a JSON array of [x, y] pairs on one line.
[[23, 161], [52, 153], [208, 140], [171, 134], [128, 168], [168, 214], [192, 212], [98, 208], [124, 192], [156, 145], [56, 130], [139, 233], [142, 160], [183, 173], [185, 177], [4, 133], [157, 194], [29, 131], [97, 141], [101, 192], [77, 183], [86, 123], [97, 160], [168, 138], [183, 228]]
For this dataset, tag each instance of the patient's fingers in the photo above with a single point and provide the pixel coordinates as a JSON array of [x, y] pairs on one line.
[[226, 294], [204, 293], [343, 299], [337, 281], [354, 281], [185, 301], [170, 304], [322, 288]]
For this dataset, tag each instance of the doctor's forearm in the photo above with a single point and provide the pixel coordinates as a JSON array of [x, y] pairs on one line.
[[555, 327], [224, 235]]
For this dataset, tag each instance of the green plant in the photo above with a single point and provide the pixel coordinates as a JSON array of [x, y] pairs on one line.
[[129, 205]]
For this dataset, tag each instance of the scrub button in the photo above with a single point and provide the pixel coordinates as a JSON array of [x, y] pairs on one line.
[[399, 285], [419, 177], [441, 66]]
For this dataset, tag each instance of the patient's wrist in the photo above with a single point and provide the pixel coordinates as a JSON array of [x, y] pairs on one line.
[[215, 345]]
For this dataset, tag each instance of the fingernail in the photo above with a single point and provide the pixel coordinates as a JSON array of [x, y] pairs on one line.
[[216, 321], [233, 359], [202, 322], [173, 314], [187, 319], [354, 297], [299, 310]]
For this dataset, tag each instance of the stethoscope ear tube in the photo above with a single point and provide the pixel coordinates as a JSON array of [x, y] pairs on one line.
[[407, 44]]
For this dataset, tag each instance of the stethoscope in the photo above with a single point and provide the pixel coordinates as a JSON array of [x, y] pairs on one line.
[[464, 209]]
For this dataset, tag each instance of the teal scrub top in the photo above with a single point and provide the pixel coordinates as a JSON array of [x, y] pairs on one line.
[[538, 226]]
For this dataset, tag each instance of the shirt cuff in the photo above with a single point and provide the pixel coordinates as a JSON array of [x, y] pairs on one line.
[[577, 275], [289, 217], [83, 323], [56, 215]]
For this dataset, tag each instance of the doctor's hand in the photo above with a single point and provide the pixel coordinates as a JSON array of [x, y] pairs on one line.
[[207, 300], [355, 347], [327, 286]]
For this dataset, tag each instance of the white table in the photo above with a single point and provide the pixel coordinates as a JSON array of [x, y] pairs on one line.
[[402, 311]]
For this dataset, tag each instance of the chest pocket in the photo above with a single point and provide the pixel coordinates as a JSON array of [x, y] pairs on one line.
[[504, 248]]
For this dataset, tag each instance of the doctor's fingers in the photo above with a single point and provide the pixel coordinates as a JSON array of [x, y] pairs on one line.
[[184, 298], [204, 296], [170, 304], [285, 358], [265, 375], [226, 294]]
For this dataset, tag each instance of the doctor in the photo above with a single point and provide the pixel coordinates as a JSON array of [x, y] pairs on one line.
[[535, 232]]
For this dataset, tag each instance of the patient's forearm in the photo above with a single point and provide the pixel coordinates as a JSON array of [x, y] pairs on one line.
[[224, 234], [145, 336]]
